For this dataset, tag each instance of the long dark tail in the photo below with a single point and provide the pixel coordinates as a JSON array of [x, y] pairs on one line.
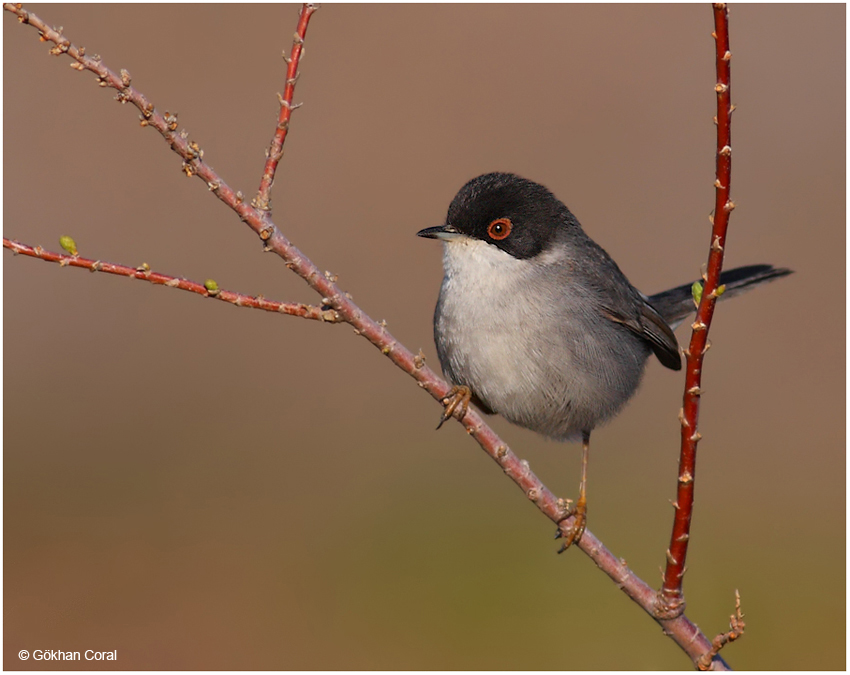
[[677, 303]]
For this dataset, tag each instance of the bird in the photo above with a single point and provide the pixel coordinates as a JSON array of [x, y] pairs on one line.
[[536, 322]]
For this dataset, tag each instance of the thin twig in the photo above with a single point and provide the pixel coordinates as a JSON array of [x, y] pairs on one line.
[[144, 273], [671, 598], [275, 151], [692, 641], [736, 630]]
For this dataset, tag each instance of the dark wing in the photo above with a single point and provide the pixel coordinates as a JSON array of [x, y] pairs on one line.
[[651, 327]]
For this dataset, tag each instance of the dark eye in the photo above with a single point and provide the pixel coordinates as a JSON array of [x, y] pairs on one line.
[[499, 229]]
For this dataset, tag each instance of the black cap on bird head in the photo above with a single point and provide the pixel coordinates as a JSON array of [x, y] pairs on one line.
[[519, 216]]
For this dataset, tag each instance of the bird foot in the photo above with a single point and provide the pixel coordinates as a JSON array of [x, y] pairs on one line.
[[458, 397], [573, 535]]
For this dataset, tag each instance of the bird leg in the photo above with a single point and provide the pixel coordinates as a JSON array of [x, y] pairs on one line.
[[458, 397], [580, 509]]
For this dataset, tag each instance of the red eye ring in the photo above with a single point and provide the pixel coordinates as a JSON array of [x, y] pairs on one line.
[[499, 229]]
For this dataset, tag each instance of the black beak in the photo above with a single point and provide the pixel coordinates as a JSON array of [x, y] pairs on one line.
[[444, 232]]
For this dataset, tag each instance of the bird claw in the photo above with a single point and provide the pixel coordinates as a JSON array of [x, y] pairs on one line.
[[579, 525], [458, 397]]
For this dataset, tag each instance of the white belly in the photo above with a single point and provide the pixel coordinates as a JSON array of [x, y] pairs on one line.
[[521, 356]]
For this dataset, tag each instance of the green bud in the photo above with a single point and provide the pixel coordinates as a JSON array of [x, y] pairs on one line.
[[68, 244], [721, 289], [696, 291], [211, 286]]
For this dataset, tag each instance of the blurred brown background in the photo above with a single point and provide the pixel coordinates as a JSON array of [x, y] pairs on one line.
[[199, 486]]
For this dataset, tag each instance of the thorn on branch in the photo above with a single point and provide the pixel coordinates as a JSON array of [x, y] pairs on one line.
[[419, 360], [715, 245], [170, 121], [60, 49]]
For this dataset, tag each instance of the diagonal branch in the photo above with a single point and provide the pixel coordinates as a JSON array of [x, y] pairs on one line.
[[207, 289], [692, 641], [671, 598]]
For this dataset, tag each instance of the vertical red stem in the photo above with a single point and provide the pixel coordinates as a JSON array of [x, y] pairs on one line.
[[672, 587], [276, 148]]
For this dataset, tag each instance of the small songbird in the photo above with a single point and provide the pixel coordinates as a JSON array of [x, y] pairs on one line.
[[535, 321]]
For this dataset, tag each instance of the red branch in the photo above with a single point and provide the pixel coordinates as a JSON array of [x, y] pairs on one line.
[[671, 597], [143, 273], [691, 640], [275, 151]]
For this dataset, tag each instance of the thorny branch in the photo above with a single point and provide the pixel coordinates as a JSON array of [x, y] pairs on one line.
[[275, 151], [692, 641], [143, 273], [671, 599]]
